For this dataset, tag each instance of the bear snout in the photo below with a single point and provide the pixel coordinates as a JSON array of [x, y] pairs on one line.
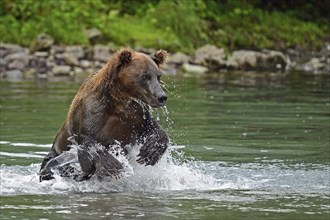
[[162, 100]]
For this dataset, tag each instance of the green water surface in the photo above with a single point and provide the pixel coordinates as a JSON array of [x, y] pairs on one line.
[[237, 125]]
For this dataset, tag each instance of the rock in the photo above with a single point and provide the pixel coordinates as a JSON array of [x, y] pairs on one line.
[[76, 51], [275, 60], [2, 72], [6, 49], [14, 75], [41, 54], [77, 70], [293, 54], [89, 52], [3, 53], [39, 64], [71, 60], [3, 63], [58, 56], [62, 60], [101, 53], [50, 64], [149, 51], [246, 59], [16, 56], [55, 49], [98, 64], [42, 76], [61, 70], [178, 58], [94, 35], [17, 60], [268, 60], [85, 64], [18, 64], [230, 64], [30, 73], [194, 68], [59, 59], [170, 69], [42, 43], [209, 54], [89, 70], [50, 58], [316, 66]]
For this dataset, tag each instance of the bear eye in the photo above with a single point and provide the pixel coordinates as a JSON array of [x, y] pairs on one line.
[[147, 77]]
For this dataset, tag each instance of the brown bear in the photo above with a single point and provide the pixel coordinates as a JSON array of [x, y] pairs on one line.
[[112, 106]]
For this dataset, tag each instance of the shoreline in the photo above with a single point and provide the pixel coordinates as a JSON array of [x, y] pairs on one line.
[[44, 60]]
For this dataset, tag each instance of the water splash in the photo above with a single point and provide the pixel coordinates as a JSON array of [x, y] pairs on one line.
[[167, 174], [175, 172]]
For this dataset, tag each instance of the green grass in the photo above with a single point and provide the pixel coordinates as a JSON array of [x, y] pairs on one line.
[[173, 25], [259, 29]]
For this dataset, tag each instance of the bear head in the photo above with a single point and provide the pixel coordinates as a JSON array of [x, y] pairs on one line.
[[137, 76]]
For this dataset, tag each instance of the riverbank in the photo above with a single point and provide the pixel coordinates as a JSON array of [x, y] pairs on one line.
[[44, 59]]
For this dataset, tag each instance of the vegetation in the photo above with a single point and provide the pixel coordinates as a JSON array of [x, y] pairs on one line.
[[171, 24]]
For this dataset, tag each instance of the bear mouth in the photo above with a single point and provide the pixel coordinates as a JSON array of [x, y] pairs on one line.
[[162, 100], [155, 102]]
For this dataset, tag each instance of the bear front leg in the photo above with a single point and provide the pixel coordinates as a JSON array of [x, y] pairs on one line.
[[154, 147], [107, 165], [45, 172], [95, 159], [86, 161], [61, 163]]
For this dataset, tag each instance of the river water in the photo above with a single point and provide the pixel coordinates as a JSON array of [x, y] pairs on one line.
[[244, 146]]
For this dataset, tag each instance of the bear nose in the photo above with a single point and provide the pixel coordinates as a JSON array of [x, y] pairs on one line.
[[162, 99]]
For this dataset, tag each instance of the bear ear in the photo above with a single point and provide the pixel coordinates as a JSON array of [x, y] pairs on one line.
[[160, 57], [125, 56]]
